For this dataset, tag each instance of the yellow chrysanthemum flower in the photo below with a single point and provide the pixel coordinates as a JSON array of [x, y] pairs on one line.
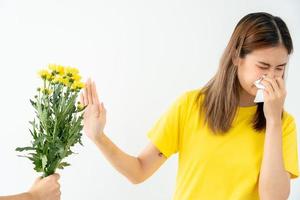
[[58, 74], [66, 82], [76, 77], [77, 85], [45, 74], [57, 69], [80, 106], [70, 71], [52, 67], [61, 70], [60, 80]]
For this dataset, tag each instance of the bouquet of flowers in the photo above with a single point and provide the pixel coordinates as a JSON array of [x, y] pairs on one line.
[[57, 124]]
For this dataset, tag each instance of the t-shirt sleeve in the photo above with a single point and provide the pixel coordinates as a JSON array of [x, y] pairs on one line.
[[290, 148], [165, 134]]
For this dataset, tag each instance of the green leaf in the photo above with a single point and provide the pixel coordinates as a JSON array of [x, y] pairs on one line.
[[24, 149], [62, 165], [32, 103], [44, 161]]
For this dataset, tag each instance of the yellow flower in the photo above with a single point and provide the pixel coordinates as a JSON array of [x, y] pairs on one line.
[[45, 74], [70, 71], [65, 81], [57, 69], [76, 77], [52, 67], [61, 70], [77, 85], [80, 106], [60, 80], [58, 74]]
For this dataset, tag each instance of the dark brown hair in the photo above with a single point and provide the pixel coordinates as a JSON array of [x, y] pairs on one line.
[[221, 93]]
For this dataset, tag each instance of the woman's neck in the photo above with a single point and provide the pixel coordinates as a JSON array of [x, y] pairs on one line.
[[246, 99]]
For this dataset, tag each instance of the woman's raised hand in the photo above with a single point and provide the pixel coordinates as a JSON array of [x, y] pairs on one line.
[[94, 114]]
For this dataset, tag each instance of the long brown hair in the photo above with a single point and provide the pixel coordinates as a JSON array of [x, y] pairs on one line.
[[221, 93]]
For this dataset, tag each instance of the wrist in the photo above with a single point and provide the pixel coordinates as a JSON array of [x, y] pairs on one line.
[[30, 196], [273, 121], [98, 137], [273, 124]]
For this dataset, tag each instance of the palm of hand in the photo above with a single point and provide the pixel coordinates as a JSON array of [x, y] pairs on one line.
[[94, 113], [94, 120]]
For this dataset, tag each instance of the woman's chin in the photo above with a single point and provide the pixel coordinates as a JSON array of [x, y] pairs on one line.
[[250, 91], [253, 91]]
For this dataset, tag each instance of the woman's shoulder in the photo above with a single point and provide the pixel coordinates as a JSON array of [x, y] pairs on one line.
[[191, 98], [193, 94]]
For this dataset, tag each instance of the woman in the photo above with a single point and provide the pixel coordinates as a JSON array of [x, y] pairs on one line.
[[229, 147]]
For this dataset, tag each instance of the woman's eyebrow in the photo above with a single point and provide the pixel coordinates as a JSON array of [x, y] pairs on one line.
[[267, 64]]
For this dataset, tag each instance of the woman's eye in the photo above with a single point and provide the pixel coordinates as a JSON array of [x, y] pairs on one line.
[[263, 68], [279, 69]]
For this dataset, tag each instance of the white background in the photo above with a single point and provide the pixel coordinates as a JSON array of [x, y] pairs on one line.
[[142, 55]]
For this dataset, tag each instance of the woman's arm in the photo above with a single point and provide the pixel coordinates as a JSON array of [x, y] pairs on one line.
[[274, 180], [136, 169]]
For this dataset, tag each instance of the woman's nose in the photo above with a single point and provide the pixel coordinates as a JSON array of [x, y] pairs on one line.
[[271, 73]]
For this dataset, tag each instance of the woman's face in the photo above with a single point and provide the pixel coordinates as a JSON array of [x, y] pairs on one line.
[[268, 61]]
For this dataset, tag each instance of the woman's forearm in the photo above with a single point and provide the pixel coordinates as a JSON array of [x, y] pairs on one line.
[[274, 182], [127, 165]]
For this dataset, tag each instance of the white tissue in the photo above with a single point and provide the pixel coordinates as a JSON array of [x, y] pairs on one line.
[[260, 90]]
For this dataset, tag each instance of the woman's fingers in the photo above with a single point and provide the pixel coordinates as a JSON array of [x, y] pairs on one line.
[[280, 82], [98, 101], [274, 84], [278, 85], [269, 89], [90, 95], [103, 108], [85, 96], [96, 98], [89, 91], [94, 93]]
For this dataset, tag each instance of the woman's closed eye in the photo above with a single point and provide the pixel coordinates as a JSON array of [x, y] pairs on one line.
[[263, 68], [266, 68], [279, 68]]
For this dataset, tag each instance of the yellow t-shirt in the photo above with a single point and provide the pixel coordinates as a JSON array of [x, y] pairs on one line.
[[217, 167]]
